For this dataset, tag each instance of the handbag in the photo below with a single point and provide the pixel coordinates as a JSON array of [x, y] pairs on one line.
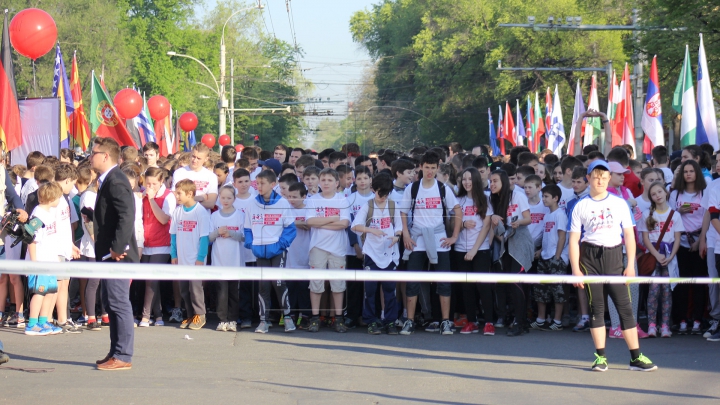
[[42, 284], [647, 262]]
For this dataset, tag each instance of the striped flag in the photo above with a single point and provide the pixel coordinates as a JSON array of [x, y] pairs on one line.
[[613, 101], [10, 131], [493, 135], [548, 114], [592, 124], [538, 126], [501, 131], [61, 90], [144, 123], [577, 111], [652, 113], [706, 122], [624, 122], [529, 125], [556, 133], [684, 103], [520, 131]]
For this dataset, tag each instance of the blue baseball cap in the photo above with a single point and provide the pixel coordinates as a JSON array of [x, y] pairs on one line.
[[273, 164], [598, 164]]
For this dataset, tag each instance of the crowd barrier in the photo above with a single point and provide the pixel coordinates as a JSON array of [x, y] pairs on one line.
[[144, 271]]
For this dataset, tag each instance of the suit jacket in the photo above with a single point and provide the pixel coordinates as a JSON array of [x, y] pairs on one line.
[[114, 219]]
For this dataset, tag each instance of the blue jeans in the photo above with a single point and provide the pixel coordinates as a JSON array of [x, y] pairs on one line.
[[388, 289]]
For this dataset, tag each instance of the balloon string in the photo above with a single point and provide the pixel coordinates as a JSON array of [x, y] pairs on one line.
[[34, 83]]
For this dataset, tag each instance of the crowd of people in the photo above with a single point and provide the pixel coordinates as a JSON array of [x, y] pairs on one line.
[[427, 209]]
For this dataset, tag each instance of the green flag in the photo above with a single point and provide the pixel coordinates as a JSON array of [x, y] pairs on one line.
[[684, 103]]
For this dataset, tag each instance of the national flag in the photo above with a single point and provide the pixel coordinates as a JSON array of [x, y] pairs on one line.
[[538, 126], [614, 99], [556, 134], [652, 113], [684, 103], [165, 136], [577, 111], [706, 122], [104, 118], [177, 135], [593, 126], [61, 90], [520, 131], [509, 130], [79, 128], [144, 123], [10, 130], [529, 125], [192, 141], [492, 136], [501, 131], [624, 122], [548, 114], [133, 131]]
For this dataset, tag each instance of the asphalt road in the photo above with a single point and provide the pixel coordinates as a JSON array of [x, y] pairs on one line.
[[353, 368]]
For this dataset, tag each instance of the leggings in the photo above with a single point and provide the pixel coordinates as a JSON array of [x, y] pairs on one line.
[[692, 266], [471, 291], [606, 261], [516, 291], [656, 290], [152, 291], [92, 292]]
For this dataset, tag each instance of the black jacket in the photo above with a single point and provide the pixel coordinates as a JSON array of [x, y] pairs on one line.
[[114, 219]]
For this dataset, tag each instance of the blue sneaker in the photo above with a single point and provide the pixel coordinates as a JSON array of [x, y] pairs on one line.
[[37, 330], [54, 330], [81, 320]]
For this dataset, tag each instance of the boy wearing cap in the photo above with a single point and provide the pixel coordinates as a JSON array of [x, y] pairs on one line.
[[603, 219]]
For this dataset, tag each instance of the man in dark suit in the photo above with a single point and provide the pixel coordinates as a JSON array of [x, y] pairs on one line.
[[114, 230]]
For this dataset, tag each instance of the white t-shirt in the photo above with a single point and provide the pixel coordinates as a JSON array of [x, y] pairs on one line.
[[602, 220], [253, 177], [335, 242], [242, 205], [518, 204], [168, 208], [567, 195], [226, 251], [707, 202], [205, 180], [468, 237], [537, 216], [356, 201], [554, 221], [642, 205], [64, 228], [139, 229], [428, 211], [376, 247], [188, 228], [268, 221], [669, 176], [692, 221], [87, 246], [298, 256], [676, 225], [47, 242]]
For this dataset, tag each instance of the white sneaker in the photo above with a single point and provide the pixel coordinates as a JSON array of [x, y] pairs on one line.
[[683, 328], [176, 315], [262, 328], [144, 324], [222, 326], [289, 324], [665, 331], [713, 328], [159, 322], [232, 326], [652, 330]]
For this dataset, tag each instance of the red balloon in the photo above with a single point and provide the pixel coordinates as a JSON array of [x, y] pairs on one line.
[[239, 147], [224, 140], [128, 103], [208, 140], [188, 121], [33, 33], [159, 107]]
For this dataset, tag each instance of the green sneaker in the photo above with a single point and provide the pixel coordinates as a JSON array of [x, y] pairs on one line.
[[642, 363], [600, 363]]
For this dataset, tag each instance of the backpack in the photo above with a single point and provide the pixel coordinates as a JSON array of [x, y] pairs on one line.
[[449, 223], [371, 211]]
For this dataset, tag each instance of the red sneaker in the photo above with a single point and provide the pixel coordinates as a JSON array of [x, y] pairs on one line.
[[489, 329], [461, 321], [471, 327]]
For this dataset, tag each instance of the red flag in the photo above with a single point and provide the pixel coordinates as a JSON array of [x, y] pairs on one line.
[[548, 112], [501, 131], [10, 130], [509, 132], [79, 127], [161, 136], [624, 122]]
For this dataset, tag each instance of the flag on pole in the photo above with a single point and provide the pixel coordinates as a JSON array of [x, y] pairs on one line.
[[624, 122], [501, 131], [520, 131], [61, 90], [144, 123], [556, 134], [593, 126], [613, 101], [493, 135], [538, 126], [684, 103], [529, 125], [706, 122], [548, 114], [104, 119], [10, 131], [79, 128], [652, 113], [509, 130], [577, 111]]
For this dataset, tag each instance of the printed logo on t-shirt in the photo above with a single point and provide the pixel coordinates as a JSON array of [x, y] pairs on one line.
[[300, 218], [201, 185], [427, 203], [233, 228], [511, 209], [601, 220], [537, 217], [381, 223], [659, 226], [265, 219], [327, 212], [186, 226], [470, 210], [356, 208], [253, 184], [51, 228], [549, 226], [65, 213]]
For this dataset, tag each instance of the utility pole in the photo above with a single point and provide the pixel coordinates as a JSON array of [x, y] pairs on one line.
[[639, 92], [222, 102], [232, 102]]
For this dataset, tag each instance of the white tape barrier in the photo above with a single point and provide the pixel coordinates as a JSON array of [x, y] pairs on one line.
[[144, 271]]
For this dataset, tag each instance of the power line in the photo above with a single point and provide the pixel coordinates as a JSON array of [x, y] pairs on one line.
[[267, 3]]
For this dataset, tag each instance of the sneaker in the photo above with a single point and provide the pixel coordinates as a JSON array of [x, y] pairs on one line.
[[289, 324], [461, 321], [712, 329], [582, 326], [340, 325], [516, 330], [198, 321], [282, 321], [262, 327], [303, 322], [696, 328], [37, 330], [392, 329], [314, 324], [652, 330], [14, 320], [400, 322], [665, 331], [433, 327], [715, 337], [499, 323], [552, 326], [374, 329], [5, 320], [231, 326], [185, 323], [489, 329], [642, 363], [600, 363], [159, 322], [94, 325], [446, 327], [70, 327], [245, 324], [54, 330], [144, 324], [408, 328], [641, 333], [471, 327], [222, 327], [176, 316], [3, 357], [349, 323], [82, 320], [538, 325], [20, 322], [615, 333], [683, 328]]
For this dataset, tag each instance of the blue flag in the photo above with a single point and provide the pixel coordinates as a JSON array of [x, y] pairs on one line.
[[493, 136]]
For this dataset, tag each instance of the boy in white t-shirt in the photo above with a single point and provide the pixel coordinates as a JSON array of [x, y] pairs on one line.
[[567, 166], [553, 258], [269, 231], [604, 219], [189, 241], [538, 210], [206, 182], [299, 291], [244, 197], [328, 216]]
